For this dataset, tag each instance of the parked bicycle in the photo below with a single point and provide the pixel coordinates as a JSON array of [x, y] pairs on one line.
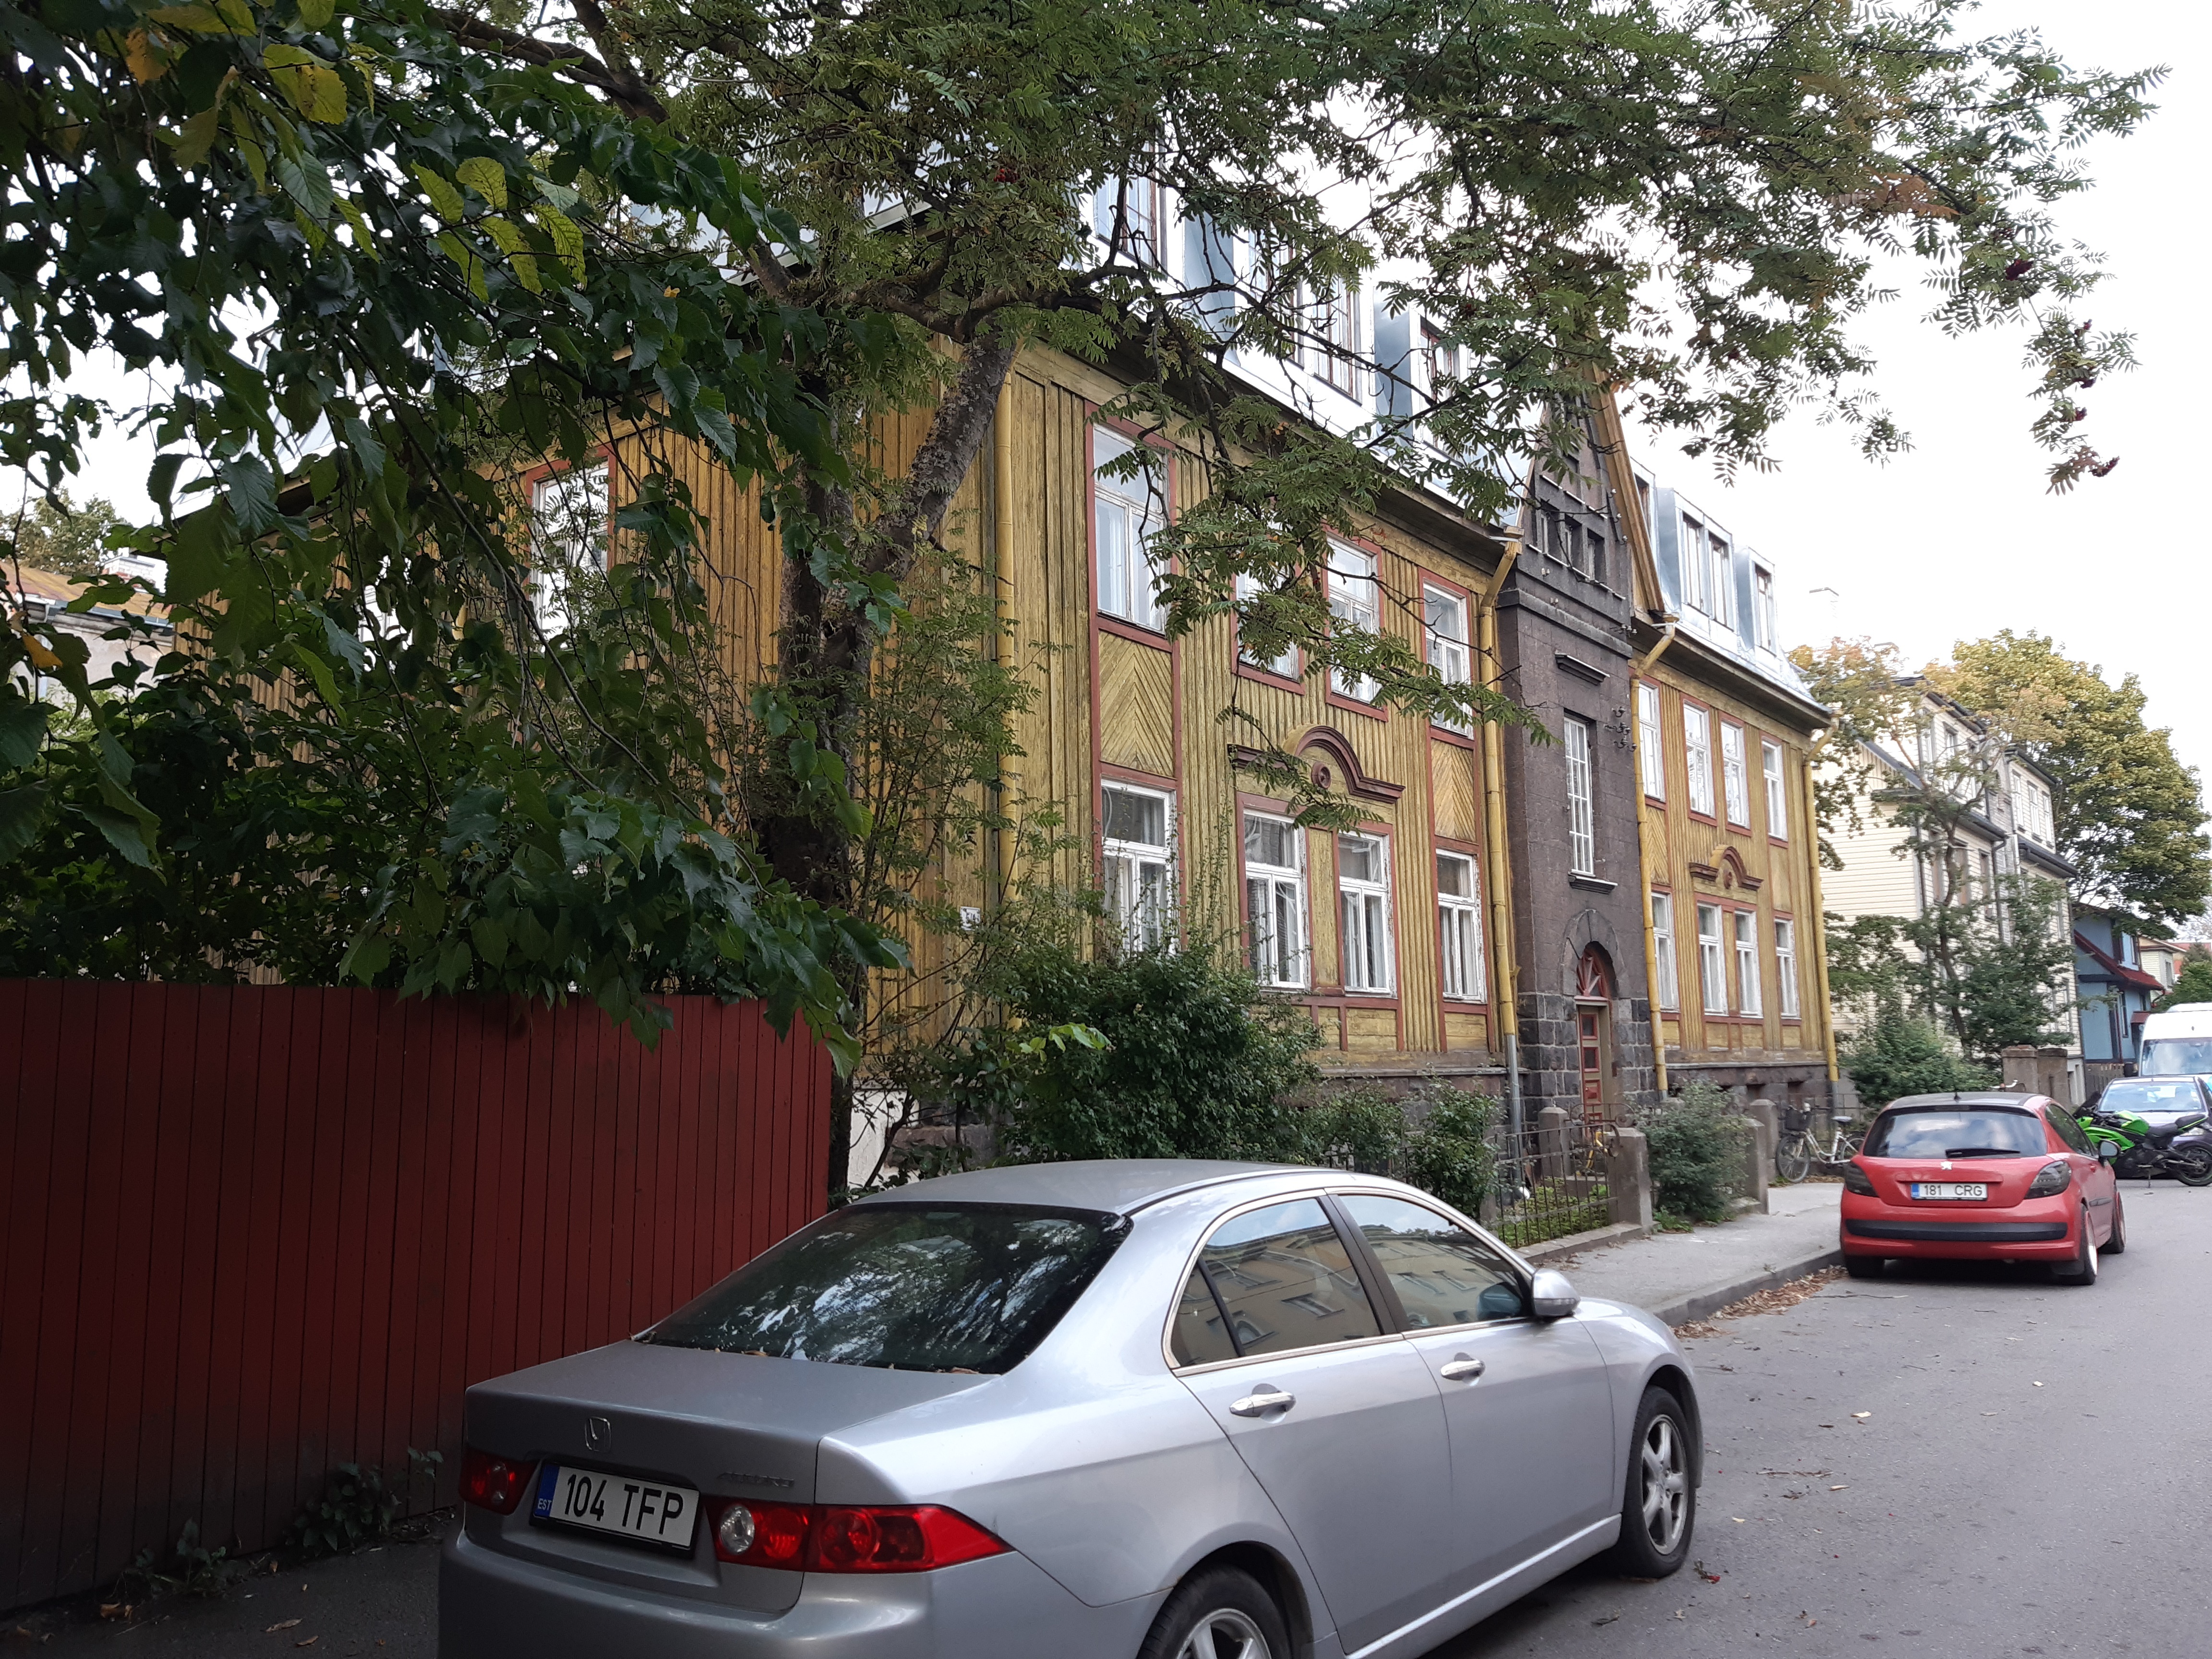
[[1802, 1150]]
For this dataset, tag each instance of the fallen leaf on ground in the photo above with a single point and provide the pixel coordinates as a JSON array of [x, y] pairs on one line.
[[1607, 1620], [1839, 1489], [1737, 1519], [2035, 1385], [1863, 1416], [281, 1623], [309, 1643]]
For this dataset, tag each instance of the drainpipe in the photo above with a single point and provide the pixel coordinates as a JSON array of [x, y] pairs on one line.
[[999, 874], [1820, 925], [1644, 868], [1505, 970]]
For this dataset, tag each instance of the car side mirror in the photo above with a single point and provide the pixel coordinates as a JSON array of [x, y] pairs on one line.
[[2106, 1150], [1550, 1295]]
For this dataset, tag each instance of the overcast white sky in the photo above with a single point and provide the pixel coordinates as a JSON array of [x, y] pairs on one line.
[[1960, 538]]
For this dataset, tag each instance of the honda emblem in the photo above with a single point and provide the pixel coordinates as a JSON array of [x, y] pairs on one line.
[[596, 1433]]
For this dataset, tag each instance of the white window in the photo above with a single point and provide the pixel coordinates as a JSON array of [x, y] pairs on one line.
[[1275, 898], [1735, 780], [1125, 514], [1363, 886], [1133, 220], [1286, 664], [1765, 622], [1722, 584], [1785, 964], [1355, 600], [1697, 568], [1662, 949], [1446, 615], [1778, 797], [568, 535], [1712, 964], [1650, 741], [1698, 752], [1436, 363], [1459, 924], [1746, 962], [1135, 826], [1332, 353], [1582, 825]]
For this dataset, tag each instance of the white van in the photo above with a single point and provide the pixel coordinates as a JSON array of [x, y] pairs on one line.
[[2178, 1043]]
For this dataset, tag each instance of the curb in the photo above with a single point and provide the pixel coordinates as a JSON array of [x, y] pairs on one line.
[[1620, 1232], [1707, 1302]]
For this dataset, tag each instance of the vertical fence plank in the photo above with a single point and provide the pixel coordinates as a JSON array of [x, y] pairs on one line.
[[255, 1232], [89, 1436], [289, 1210], [230, 1238], [41, 1277], [128, 1382]]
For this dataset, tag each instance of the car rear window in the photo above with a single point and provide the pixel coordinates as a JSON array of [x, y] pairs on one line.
[[1958, 1132], [917, 1287]]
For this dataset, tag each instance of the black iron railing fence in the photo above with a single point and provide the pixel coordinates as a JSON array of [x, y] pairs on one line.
[[1550, 1180]]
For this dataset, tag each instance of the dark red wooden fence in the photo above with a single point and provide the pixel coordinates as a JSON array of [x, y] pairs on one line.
[[250, 1234]]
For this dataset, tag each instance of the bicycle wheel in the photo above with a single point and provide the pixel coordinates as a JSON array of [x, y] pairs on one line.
[[1794, 1161]]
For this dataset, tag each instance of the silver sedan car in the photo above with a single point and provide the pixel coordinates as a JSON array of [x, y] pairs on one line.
[[1168, 1410]]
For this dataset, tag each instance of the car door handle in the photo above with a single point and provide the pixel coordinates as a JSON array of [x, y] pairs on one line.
[[1256, 1405], [1460, 1370]]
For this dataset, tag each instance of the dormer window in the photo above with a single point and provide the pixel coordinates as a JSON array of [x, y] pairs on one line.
[[1332, 351], [1766, 624], [1133, 221]]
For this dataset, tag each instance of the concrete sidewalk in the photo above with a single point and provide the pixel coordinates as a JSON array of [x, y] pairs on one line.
[[1685, 1276]]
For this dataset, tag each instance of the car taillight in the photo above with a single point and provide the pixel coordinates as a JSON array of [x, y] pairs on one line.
[[764, 1535], [493, 1483], [2052, 1177], [849, 1538], [1857, 1180]]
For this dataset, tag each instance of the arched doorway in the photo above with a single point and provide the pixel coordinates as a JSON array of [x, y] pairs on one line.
[[1594, 1027]]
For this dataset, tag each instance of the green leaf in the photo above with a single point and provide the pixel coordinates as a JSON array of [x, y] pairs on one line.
[[471, 267], [568, 238], [443, 196], [192, 141], [486, 177], [23, 814], [22, 729], [316, 14], [122, 830]]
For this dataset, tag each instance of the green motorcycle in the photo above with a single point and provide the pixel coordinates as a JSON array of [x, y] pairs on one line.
[[2143, 1149]]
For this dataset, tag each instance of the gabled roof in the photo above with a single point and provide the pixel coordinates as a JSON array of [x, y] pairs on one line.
[[2115, 969]]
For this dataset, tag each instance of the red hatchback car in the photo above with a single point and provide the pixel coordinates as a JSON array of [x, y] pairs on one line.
[[1979, 1177]]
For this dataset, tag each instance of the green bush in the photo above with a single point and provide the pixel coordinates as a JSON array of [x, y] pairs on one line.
[[1697, 1147], [1441, 1146], [1197, 1062], [1899, 1055]]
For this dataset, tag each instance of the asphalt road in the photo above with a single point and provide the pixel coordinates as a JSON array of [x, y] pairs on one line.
[[2029, 1480], [2029, 1477]]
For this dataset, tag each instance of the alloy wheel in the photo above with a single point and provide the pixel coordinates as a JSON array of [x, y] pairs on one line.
[[1225, 1633], [1666, 1485]]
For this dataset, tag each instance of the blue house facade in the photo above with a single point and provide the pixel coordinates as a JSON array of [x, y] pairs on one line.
[[2116, 993]]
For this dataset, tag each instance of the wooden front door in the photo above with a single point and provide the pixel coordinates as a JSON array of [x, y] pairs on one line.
[[1593, 1009], [1592, 1042]]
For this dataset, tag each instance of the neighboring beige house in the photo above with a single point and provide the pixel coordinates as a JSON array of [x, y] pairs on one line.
[[2163, 959], [2010, 831], [41, 596]]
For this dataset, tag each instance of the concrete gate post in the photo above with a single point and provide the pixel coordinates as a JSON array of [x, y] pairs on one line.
[[2021, 1070], [1628, 1178], [1551, 1143]]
